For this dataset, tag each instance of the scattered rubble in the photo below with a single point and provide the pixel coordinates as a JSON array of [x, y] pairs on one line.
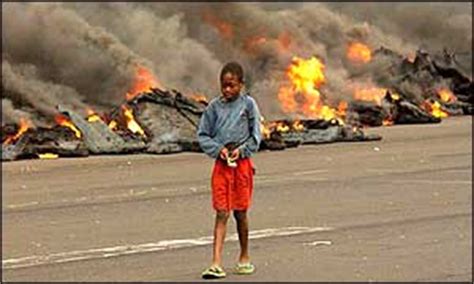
[[162, 121]]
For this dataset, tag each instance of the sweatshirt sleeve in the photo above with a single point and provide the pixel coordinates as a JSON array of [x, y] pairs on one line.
[[253, 143], [204, 133]]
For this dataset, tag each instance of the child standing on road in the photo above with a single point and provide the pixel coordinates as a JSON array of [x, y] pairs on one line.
[[229, 132]]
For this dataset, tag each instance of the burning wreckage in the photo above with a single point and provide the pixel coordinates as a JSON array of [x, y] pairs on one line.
[[445, 90], [157, 122], [162, 121]]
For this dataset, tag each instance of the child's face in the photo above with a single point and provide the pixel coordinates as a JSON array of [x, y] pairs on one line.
[[230, 86]]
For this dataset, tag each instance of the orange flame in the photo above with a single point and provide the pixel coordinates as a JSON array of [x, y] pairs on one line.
[[199, 98], [370, 94], [90, 111], [113, 124], [359, 52], [92, 115], [265, 128], [446, 95], [284, 40], [298, 126], [394, 96], [25, 124], [144, 81], [281, 127], [342, 109], [64, 121], [387, 122], [131, 122], [434, 108], [252, 43], [306, 77], [48, 156], [225, 29], [328, 113], [286, 96]]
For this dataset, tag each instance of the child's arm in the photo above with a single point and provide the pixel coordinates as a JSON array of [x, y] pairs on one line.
[[206, 125], [252, 144]]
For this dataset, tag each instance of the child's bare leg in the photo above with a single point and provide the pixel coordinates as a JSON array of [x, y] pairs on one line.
[[220, 229], [243, 231]]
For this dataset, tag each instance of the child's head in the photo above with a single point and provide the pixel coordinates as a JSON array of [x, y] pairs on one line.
[[232, 80]]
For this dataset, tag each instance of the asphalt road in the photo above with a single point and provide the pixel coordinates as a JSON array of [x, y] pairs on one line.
[[399, 209]]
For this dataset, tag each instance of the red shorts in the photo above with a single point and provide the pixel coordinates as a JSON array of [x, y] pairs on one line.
[[232, 187]]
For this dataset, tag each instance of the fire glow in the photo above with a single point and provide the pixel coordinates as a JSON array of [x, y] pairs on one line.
[[92, 116], [370, 94], [306, 77], [25, 124], [225, 30], [47, 156], [144, 81], [387, 122], [131, 122], [342, 108], [284, 41], [435, 109], [199, 97], [264, 128], [113, 124], [359, 52], [252, 43], [446, 95], [298, 126], [65, 122]]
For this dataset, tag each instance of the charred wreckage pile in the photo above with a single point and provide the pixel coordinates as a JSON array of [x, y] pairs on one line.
[[160, 121], [157, 122], [445, 90]]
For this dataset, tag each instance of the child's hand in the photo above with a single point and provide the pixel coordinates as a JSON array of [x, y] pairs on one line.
[[235, 155], [224, 153]]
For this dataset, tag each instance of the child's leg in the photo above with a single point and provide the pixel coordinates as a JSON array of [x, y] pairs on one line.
[[243, 231], [220, 229]]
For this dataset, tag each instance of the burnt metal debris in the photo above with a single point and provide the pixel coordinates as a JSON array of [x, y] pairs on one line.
[[426, 72], [36, 141], [413, 82], [99, 138], [312, 131], [169, 120]]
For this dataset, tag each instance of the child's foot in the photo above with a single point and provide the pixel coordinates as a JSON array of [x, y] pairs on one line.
[[244, 268], [213, 272]]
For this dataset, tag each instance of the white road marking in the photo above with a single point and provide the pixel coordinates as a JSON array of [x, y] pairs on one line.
[[428, 181], [309, 172], [384, 170], [459, 171], [106, 252], [316, 243], [306, 175], [395, 171], [21, 205], [289, 178], [97, 198]]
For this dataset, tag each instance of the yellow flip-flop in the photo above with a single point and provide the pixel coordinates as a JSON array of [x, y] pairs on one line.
[[244, 268], [213, 272]]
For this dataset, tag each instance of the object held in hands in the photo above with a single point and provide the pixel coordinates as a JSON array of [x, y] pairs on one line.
[[231, 163], [231, 160]]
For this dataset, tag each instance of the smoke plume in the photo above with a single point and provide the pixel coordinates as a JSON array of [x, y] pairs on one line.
[[85, 55]]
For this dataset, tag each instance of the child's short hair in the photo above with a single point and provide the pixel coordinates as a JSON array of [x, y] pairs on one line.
[[233, 68]]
